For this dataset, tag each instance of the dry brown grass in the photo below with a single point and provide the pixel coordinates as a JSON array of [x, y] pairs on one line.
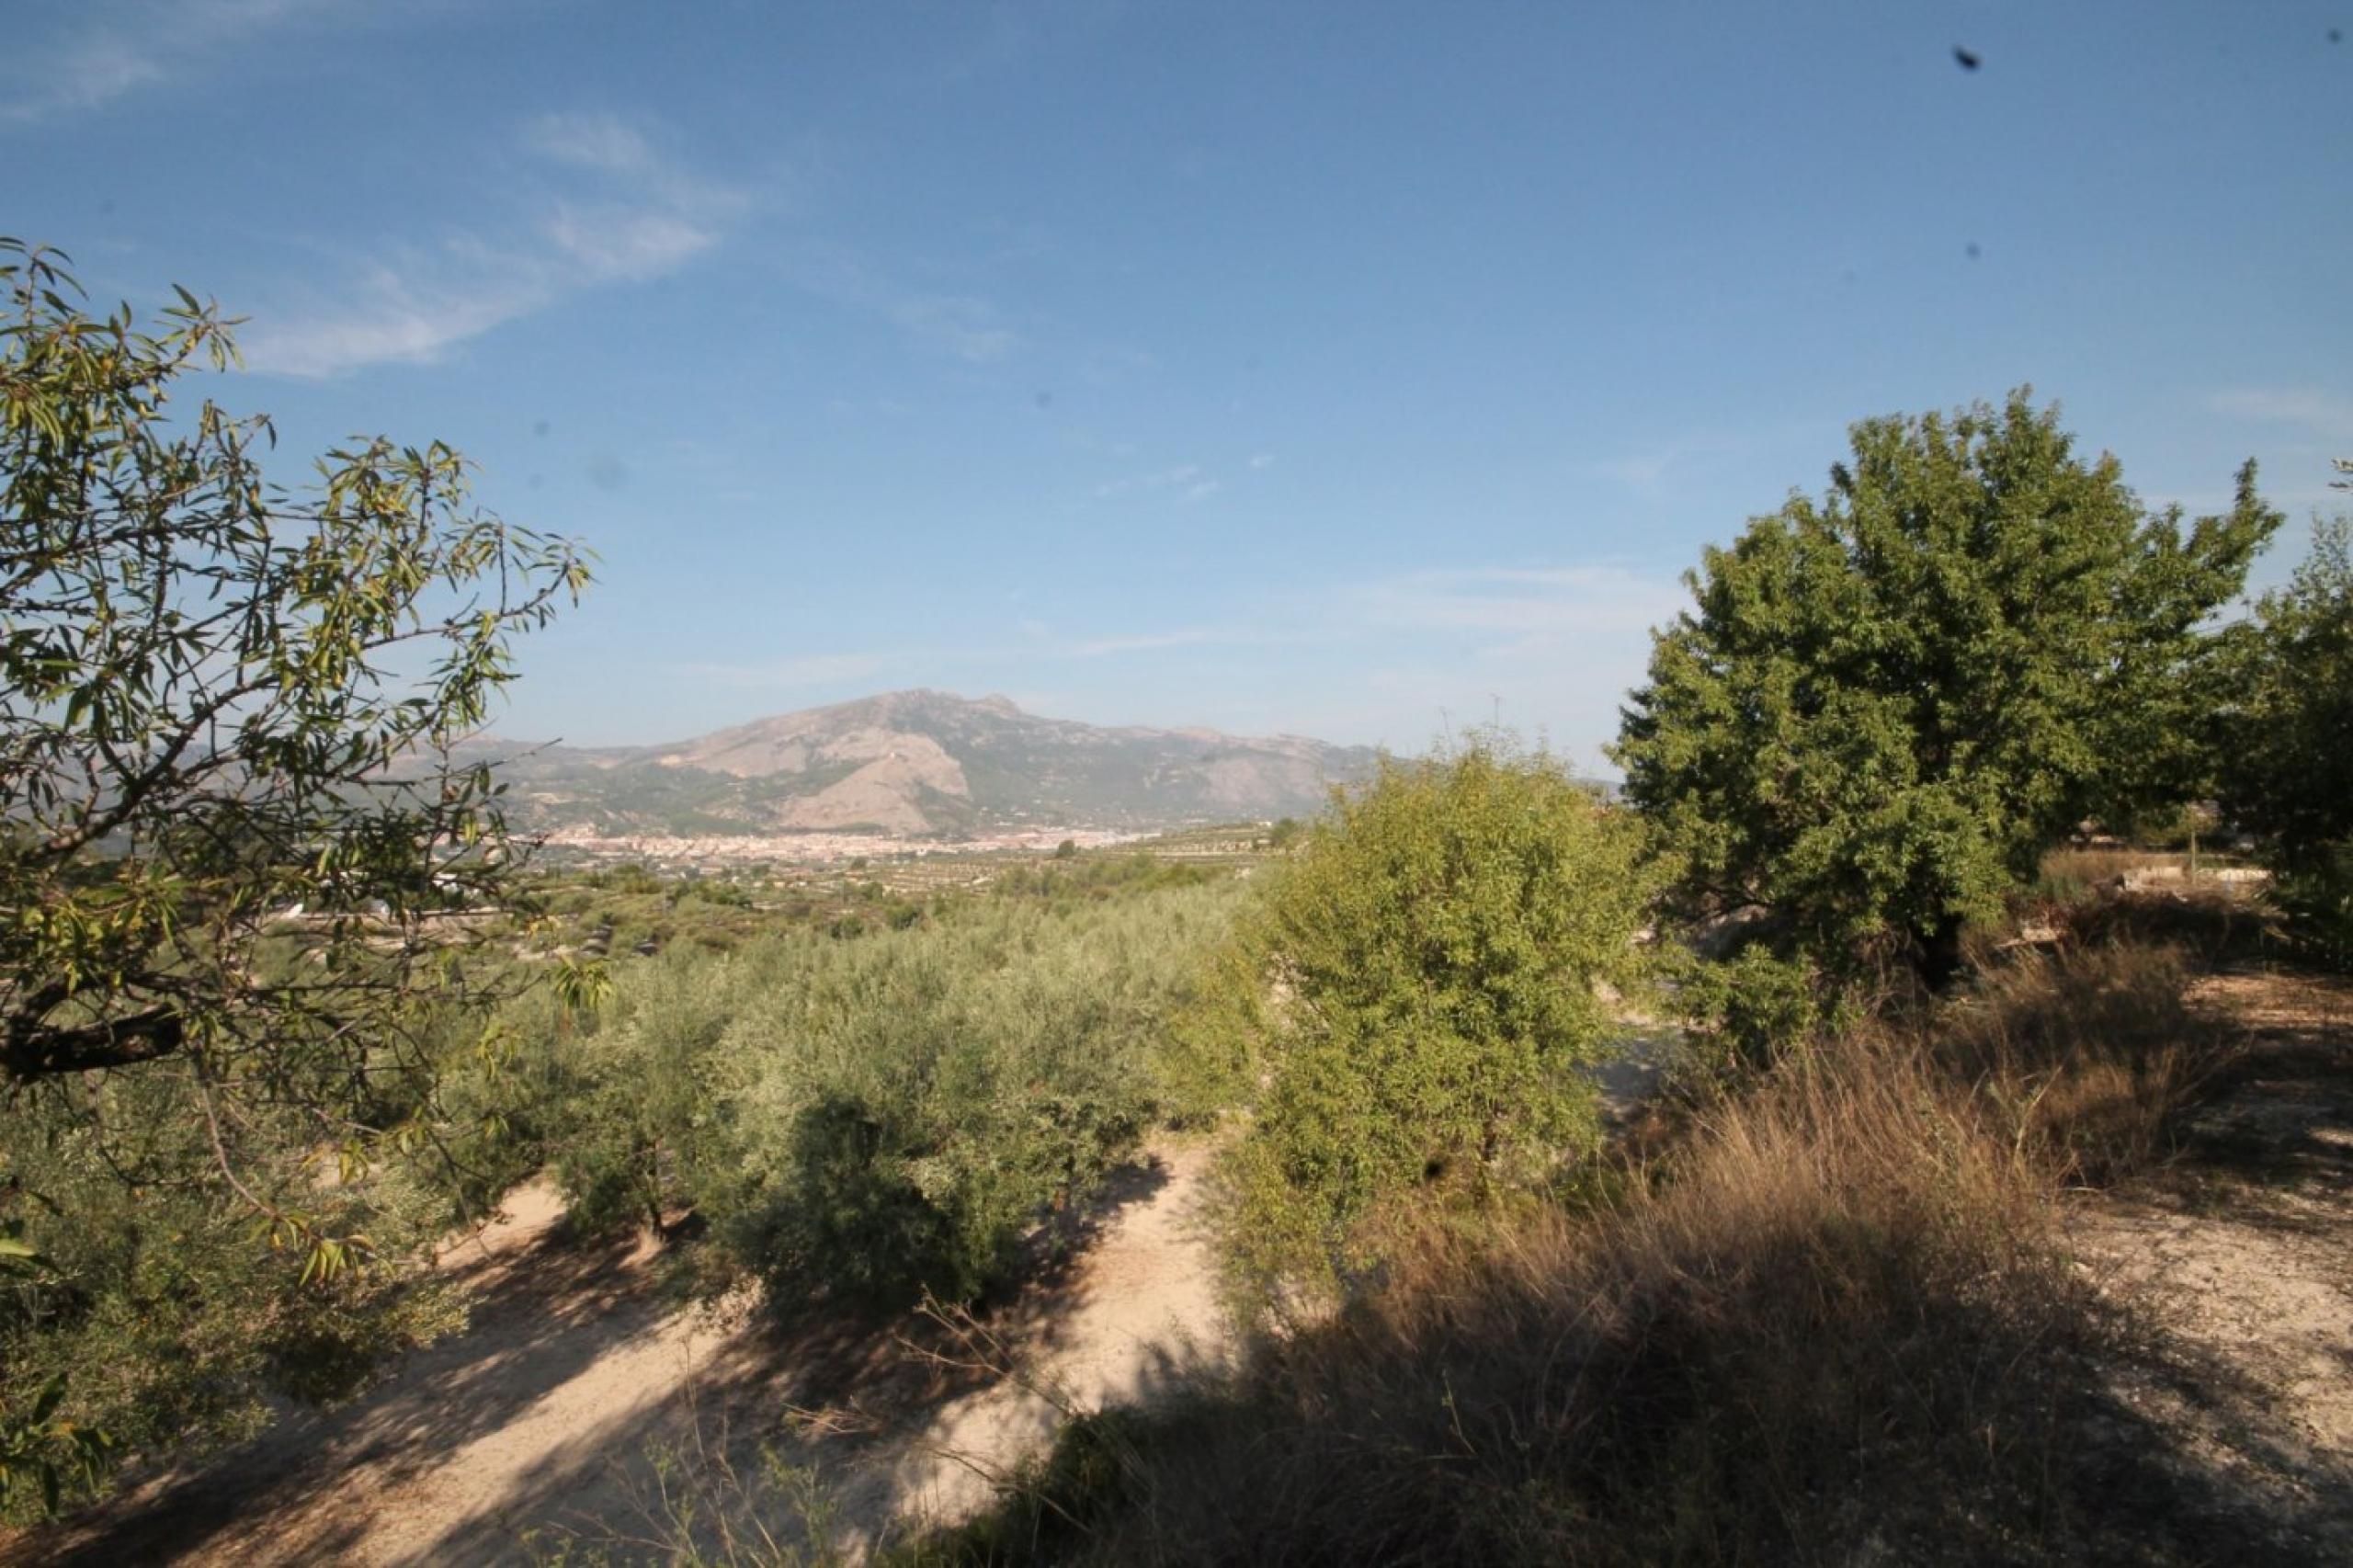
[[2079, 870], [1834, 1322], [2106, 896], [2089, 1052]]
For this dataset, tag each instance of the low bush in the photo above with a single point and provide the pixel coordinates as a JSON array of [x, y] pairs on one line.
[[2317, 897], [170, 1313]]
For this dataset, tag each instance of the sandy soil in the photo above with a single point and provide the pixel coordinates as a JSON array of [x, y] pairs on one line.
[[548, 1419], [2236, 1263], [1144, 1315]]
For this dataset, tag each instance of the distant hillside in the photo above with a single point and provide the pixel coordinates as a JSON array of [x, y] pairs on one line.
[[921, 764]]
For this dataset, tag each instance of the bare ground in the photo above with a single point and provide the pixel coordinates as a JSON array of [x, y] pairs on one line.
[[546, 1423], [2233, 1265]]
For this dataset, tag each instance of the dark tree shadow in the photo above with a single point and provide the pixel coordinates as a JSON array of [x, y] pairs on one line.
[[812, 1386]]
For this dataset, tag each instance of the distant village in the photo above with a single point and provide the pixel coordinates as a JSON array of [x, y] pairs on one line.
[[722, 853]]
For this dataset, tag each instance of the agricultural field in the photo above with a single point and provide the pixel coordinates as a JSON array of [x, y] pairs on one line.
[[622, 907]]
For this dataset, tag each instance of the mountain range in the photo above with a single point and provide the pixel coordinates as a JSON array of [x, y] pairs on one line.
[[920, 765]]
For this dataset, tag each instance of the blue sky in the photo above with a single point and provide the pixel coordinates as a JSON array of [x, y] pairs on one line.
[[1344, 369]]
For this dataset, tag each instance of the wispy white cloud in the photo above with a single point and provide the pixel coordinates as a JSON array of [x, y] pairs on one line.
[[1640, 472], [604, 142], [99, 52], [1186, 482], [1112, 364], [1542, 602], [964, 325], [402, 313], [628, 214], [2323, 415], [1549, 651], [810, 669], [1035, 641], [612, 243], [1400, 660], [1160, 479], [968, 328], [1655, 468], [1189, 636]]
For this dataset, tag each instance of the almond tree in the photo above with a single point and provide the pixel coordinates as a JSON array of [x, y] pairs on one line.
[[231, 835], [240, 875]]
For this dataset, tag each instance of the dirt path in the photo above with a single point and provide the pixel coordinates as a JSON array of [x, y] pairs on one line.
[[549, 1418], [1144, 1315], [2236, 1260]]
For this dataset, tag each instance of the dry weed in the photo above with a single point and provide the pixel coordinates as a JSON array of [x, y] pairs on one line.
[[1833, 1323]]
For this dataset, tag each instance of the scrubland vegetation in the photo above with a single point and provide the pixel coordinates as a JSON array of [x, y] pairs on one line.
[[1814, 1304], [877, 1117], [1830, 1312]]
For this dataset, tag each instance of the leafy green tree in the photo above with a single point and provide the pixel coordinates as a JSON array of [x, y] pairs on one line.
[[1888, 703], [234, 847], [240, 875], [1417, 991], [2287, 769]]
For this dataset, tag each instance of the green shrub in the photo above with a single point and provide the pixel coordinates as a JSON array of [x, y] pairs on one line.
[[878, 1117], [2316, 894], [172, 1318], [2287, 770], [1750, 1008], [1417, 992]]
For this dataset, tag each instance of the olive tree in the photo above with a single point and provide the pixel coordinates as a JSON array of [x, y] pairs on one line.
[[236, 848], [1887, 703]]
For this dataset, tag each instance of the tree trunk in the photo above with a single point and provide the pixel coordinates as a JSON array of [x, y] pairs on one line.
[[1938, 962]]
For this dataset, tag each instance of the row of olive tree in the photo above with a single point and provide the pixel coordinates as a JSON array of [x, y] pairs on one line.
[[869, 1118]]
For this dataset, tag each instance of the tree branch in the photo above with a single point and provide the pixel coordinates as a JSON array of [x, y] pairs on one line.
[[33, 1051]]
